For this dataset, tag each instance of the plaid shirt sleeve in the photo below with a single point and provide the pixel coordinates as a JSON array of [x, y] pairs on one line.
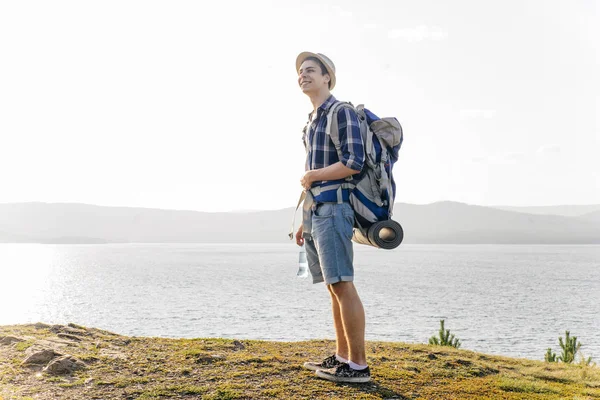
[[352, 147]]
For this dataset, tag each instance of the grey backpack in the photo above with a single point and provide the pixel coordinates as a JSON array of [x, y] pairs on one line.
[[372, 193]]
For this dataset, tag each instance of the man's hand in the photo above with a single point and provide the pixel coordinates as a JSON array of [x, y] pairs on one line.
[[299, 238], [307, 179]]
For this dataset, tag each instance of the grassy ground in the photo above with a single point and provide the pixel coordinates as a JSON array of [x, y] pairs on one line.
[[120, 367]]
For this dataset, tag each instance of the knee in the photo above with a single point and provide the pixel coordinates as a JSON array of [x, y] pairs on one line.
[[341, 289]]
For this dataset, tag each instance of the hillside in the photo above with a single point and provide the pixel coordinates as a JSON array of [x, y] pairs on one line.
[[564, 210], [77, 363], [443, 222], [593, 216], [450, 222]]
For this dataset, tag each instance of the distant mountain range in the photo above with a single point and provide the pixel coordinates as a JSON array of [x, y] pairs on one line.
[[442, 222], [567, 211]]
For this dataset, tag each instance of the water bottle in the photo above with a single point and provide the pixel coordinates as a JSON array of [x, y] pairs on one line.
[[302, 264]]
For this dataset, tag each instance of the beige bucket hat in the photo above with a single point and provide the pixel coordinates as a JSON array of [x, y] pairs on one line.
[[323, 58]]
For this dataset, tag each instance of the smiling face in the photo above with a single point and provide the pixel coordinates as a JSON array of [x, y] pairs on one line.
[[311, 78]]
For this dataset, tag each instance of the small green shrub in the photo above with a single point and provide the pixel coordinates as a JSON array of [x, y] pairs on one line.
[[570, 347], [550, 356], [445, 338]]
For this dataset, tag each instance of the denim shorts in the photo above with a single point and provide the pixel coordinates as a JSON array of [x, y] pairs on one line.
[[329, 249]]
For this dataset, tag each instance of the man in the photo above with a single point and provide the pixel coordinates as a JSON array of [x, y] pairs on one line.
[[328, 239]]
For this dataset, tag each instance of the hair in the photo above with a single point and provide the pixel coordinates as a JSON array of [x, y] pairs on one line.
[[322, 66]]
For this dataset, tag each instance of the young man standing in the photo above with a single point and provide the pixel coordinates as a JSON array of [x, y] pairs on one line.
[[328, 218]]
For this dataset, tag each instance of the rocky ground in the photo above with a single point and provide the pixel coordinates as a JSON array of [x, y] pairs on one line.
[[72, 362]]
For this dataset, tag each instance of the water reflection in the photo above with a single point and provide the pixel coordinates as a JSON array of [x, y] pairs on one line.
[[25, 273]]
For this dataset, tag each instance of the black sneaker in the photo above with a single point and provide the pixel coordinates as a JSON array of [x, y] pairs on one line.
[[329, 362], [343, 373]]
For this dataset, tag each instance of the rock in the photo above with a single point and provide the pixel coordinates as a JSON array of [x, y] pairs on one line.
[[35, 348], [55, 343], [113, 353], [64, 365], [6, 340], [74, 331], [41, 357], [208, 358], [41, 325], [237, 345], [69, 336], [121, 342], [69, 330]]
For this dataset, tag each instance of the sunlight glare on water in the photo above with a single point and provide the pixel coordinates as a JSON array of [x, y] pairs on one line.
[[24, 272]]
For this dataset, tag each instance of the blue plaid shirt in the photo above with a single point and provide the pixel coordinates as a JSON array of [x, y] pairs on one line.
[[320, 150]]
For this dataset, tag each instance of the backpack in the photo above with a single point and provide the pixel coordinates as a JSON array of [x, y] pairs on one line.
[[372, 193], [374, 190]]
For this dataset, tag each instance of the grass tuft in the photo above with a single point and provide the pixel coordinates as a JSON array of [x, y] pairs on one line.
[[525, 386]]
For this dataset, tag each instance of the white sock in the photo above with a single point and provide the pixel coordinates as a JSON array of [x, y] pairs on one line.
[[355, 366], [340, 359]]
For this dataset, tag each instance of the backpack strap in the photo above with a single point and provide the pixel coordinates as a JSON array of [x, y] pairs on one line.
[[332, 124], [367, 138], [300, 200]]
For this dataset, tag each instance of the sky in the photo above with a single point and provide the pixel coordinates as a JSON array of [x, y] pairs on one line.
[[195, 105]]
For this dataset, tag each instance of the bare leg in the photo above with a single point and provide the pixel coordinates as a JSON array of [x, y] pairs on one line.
[[340, 336], [353, 319]]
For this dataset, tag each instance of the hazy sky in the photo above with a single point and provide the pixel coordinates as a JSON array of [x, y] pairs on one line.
[[194, 105]]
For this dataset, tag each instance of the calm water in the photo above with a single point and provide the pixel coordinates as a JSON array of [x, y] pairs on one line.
[[510, 300]]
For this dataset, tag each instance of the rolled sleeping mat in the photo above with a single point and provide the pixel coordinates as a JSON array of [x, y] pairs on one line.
[[383, 234]]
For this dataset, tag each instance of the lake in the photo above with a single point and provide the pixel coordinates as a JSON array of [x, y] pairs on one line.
[[513, 300]]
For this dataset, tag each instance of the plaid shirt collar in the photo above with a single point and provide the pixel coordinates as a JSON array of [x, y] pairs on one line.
[[324, 107]]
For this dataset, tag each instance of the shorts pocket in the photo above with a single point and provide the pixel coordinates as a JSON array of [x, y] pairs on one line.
[[323, 210]]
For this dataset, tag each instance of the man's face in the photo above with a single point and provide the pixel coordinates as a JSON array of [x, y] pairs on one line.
[[310, 77]]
